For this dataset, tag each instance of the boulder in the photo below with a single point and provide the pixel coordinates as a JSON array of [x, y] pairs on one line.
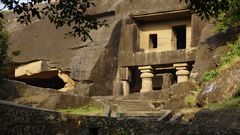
[[178, 94], [224, 119], [224, 86]]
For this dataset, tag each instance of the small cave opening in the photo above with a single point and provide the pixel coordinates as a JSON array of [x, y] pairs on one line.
[[43, 80], [53, 83]]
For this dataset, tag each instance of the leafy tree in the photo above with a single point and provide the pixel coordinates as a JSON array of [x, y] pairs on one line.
[[62, 12], [225, 12]]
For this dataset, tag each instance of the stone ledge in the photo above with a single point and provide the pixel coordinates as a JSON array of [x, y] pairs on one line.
[[156, 58]]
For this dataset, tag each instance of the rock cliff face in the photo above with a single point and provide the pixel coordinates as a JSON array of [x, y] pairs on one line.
[[223, 87], [93, 65], [211, 46]]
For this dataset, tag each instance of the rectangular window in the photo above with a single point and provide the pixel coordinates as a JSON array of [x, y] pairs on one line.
[[153, 41], [179, 39]]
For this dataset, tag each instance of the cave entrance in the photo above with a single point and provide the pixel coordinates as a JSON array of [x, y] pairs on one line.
[[48, 79]]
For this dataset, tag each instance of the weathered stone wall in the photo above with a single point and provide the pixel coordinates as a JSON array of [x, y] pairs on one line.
[[17, 120]]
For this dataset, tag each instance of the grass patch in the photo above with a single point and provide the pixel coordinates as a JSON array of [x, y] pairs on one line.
[[226, 104], [228, 59], [88, 110], [210, 75]]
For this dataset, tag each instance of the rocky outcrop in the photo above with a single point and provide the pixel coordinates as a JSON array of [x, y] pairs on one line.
[[211, 47], [36, 97], [228, 118], [95, 67], [179, 93], [223, 87]]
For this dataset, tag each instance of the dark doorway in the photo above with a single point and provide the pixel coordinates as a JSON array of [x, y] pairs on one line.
[[153, 41], [179, 33], [136, 81]]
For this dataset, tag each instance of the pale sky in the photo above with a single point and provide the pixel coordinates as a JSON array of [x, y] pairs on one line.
[[1, 5]]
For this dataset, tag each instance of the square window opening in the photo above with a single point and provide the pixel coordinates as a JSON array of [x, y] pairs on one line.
[[179, 33], [153, 41]]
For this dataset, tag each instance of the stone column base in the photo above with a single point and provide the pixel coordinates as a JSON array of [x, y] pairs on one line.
[[147, 75], [182, 72]]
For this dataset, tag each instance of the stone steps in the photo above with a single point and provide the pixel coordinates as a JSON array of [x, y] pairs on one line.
[[132, 105], [136, 109], [158, 113]]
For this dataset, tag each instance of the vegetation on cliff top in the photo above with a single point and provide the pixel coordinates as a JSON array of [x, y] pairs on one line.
[[232, 56], [225, 12]]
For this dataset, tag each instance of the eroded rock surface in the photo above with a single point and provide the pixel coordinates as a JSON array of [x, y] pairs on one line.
[[211, 47], [223, 87], [23, 94]]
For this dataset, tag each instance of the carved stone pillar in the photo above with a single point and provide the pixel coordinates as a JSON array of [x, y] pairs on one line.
[[182, 72], [146, 75], [126, 87], [125, 76]]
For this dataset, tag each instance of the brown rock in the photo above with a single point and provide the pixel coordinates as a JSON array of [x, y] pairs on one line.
[[178, 94], [223, 87]]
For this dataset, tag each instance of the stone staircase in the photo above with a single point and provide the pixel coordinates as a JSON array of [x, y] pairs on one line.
[[118, 107], [148, 108]]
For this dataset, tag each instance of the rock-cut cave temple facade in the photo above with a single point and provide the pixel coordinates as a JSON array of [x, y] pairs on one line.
[[148, 46]]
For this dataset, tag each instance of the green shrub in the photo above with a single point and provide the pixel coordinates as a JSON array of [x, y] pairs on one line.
[[232, 56], [210, 75]]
